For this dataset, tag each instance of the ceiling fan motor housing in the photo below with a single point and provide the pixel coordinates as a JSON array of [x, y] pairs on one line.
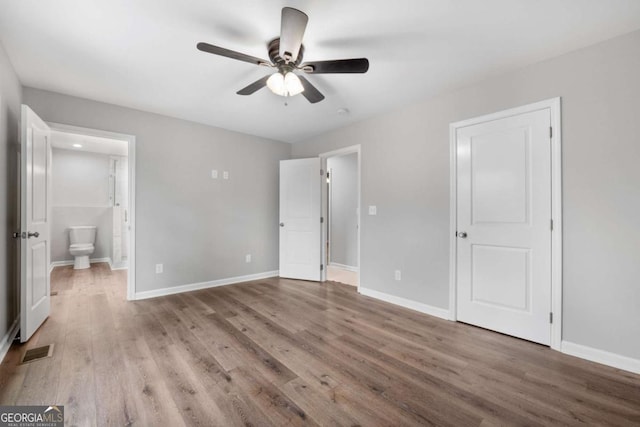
[[280, 63]]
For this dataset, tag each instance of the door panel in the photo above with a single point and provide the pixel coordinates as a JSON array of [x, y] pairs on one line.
[[504, 207], [35, 177], [300, 230]]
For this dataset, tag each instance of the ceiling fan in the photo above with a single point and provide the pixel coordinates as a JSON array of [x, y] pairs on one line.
[[286, 54]]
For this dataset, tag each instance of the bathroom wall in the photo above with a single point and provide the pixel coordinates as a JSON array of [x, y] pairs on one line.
[[80, 196], [343, 219]]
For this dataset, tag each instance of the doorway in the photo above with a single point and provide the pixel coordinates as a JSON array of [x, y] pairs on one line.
[[506, 222], [341, 208], [93, 185]]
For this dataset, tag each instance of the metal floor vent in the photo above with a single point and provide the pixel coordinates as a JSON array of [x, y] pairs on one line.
[[37, 353]]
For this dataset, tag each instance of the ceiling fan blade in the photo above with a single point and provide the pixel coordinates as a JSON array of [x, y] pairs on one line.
[[292, 29], [254, 87], [209, 48], [358, 65], [310, 92]]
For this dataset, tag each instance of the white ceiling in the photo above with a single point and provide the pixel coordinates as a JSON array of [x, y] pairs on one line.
[[143, 54], [92, 144]]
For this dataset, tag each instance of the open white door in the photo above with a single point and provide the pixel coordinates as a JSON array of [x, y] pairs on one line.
[[300, 212], [35, 195], [504, 225]]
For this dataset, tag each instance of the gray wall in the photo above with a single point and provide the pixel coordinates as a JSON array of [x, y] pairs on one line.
[[80, 196], [344, 204], [10, 100], [405, 172], [199, 228], [80, 178]]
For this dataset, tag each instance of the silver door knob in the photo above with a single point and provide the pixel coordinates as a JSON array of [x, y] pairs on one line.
[[282, 224], [30, 235], [462, 235]]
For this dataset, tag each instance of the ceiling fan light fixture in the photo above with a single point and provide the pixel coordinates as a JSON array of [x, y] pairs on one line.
[[285, 85]]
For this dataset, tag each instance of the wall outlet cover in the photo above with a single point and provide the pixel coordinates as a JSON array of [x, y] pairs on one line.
[[225, 175], [398, 275], [214, 174], [247, 258], [373, 210], [159, 268]]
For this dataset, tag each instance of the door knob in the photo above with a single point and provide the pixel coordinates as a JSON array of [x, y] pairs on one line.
[[30, 235], [462, 234], [282, 224]]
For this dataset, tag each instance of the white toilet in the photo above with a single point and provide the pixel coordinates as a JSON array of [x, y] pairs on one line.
[[82, 239]]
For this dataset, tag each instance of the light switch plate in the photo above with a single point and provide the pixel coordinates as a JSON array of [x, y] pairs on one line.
[[214, 174], [373, 210]]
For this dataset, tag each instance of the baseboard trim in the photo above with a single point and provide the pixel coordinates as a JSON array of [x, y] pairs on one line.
[[64, 263], [344, 267], [8, 338], [601, 356], [203, 285], [406, 303]]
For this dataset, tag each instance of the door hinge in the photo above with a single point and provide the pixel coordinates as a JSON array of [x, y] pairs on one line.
[[321, 267], [550, 317], [321, 220], [550, 132], [551, 225], [321, 172]]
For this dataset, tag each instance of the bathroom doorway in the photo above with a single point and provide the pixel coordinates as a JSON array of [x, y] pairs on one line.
[[92, 193], [341, 210]]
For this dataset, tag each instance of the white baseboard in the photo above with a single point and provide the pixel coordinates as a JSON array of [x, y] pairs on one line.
[[7, 340], [601, 356], [406, 303], [344, 267], [203, 285], [55, 264]]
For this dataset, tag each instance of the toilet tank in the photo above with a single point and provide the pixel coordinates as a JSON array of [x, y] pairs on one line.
[[82, 234]]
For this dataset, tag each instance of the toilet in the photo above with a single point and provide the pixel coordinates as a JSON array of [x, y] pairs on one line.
[[82, 239]]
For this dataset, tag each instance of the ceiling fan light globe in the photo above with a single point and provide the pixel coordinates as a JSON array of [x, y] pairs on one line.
[[275, 83], [293, 85]]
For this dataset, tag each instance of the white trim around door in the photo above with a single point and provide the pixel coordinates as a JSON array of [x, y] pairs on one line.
[[553, 105], [323, 157], [131, 142]]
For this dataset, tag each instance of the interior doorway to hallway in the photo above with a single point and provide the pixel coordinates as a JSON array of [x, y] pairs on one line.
[[341, 210]]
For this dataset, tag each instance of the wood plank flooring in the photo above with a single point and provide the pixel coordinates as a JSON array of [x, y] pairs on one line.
[[284, 352]]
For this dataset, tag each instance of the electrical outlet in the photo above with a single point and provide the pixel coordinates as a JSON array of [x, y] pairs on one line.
[[159, 268], [398, 275], [225, 175], [373, 210], [247, 258], [214, 174]]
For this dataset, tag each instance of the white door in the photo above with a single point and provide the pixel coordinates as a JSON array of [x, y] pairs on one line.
[[504, 225], [35, 195], [300, 212]]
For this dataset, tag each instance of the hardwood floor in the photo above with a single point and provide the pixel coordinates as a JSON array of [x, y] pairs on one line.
[[284, 352]]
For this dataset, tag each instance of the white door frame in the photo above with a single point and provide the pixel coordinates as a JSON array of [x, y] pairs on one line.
[[553, 105], [323, 161], [131, 140]]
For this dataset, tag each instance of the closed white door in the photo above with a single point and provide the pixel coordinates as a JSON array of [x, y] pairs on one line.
[[300, 226], [35, 195], [504, 225]]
